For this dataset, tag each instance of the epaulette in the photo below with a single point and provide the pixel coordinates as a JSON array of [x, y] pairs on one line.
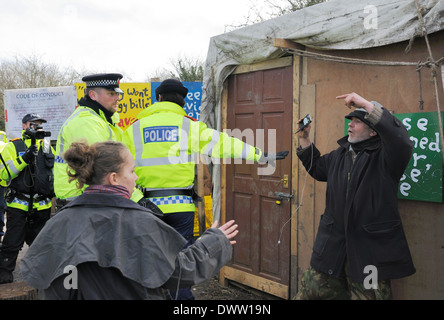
[[191, 118]]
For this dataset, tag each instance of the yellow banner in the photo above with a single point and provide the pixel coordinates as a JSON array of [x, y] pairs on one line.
[[136, 97]]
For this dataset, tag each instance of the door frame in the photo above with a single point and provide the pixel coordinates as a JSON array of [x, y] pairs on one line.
[[229, 273]]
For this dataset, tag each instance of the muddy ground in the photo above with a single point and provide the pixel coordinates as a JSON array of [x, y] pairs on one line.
[[213, 290]]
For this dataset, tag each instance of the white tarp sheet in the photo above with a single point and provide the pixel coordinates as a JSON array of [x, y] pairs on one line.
[[333, 25]]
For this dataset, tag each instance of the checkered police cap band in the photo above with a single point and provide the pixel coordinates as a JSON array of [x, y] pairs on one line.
[[102, 83]]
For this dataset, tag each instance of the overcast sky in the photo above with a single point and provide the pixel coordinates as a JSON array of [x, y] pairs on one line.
[[133, 37]]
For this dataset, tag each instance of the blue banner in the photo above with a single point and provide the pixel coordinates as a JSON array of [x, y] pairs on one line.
[[192, 100]]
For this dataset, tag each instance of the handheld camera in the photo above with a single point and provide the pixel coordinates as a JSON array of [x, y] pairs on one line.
[[34, 133], [305, 122]]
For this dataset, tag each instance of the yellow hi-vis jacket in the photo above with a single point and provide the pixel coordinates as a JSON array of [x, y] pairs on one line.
[[3, 137], [15, 165], [164, 143], [3, 140], [83, 124]]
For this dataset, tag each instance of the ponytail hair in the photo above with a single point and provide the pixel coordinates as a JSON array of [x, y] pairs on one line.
[[90, 164]]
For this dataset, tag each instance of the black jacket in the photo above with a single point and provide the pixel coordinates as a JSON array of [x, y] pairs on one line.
[[361, 221], [42, 183], [120, 250]]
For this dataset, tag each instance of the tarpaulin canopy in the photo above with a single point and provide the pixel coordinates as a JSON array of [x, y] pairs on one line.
[[333, 25]]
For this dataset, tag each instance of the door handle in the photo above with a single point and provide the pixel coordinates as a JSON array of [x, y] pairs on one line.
[[281, 196]]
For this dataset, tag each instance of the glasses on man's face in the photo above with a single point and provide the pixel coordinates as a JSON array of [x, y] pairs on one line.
[[115, 94]]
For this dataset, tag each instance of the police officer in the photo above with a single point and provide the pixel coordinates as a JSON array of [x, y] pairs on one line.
[[163, 143], [95, 120], [28, 176]]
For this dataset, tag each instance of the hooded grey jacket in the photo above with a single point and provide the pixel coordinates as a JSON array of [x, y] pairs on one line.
[[120, 250]]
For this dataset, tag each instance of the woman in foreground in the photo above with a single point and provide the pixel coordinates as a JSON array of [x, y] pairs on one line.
[[103, 245]]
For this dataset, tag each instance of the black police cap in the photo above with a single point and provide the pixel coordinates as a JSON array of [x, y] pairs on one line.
[[30, 117], [171, 85], [109, 81]]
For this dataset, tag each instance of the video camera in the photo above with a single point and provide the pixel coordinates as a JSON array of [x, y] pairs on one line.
[[34, 133]]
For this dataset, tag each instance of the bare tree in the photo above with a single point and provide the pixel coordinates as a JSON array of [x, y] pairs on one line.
[[159, 75], [31, 72], [183, 68], [188, 68]]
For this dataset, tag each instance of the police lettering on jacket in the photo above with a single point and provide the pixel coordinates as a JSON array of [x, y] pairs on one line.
[[161, 134]]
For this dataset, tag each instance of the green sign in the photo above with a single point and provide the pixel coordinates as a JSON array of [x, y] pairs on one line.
[[422, 180]]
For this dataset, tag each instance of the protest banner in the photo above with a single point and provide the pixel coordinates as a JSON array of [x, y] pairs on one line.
[[192, 101], [422, 180], [136, 97]]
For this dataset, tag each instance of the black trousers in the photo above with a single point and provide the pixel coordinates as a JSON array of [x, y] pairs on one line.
[[21, 227]]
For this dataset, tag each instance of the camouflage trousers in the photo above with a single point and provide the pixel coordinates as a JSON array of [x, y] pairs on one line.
[[321, 286]]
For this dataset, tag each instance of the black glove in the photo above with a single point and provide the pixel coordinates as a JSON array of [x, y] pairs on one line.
[[30, 153], [281, 155], [271, 157], [151, 206]]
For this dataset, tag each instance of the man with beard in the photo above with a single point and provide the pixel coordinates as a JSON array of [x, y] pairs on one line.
[[361, 226]]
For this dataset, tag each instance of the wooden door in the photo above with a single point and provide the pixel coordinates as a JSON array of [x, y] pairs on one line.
[[259, 102]]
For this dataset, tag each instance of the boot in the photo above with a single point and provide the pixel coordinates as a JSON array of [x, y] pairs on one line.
[[6, 276]]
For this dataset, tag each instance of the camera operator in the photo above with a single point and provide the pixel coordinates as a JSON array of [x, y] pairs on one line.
[[28, 177]]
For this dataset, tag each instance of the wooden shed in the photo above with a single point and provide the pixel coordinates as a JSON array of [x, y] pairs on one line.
[[267, 76]]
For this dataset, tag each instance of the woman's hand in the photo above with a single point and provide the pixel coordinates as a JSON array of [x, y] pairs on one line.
[[229, 229]]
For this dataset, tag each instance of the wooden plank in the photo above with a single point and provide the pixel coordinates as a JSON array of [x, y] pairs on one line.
[[256, 282], [265, 65], [295, 178], [286, 44], [223, 171], [306, 184]]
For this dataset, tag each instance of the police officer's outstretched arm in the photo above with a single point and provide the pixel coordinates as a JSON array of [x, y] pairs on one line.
[[220, 145], [271, 157]]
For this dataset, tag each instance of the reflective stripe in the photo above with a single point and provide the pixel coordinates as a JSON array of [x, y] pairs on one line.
[[12, 167], [26, 203], [172, 200], [184, 137], [183, 157], [214, 140], [137, 138], [245, 151], [59, 159], [153, 189]]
